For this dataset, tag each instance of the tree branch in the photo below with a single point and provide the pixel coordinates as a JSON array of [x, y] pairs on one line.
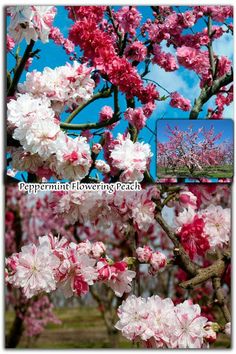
[[100, 94], [203, 274], [20, 68], [85, 126], [179, 251], [199, 275], [209, 46], [208, 92], [221, 301]]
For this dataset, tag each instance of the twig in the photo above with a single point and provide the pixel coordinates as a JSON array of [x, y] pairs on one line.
[[20, 68], [100, 94], [208, 91], [221, 301]]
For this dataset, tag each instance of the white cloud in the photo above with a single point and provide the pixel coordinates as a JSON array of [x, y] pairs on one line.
[[229, 111], [186, 84], [224, 45]]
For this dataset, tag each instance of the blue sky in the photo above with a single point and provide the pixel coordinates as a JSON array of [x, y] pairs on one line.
[[220, 126], [182, 80]]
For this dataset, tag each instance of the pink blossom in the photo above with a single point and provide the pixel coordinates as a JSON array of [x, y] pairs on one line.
[[31, 22], [211, 334], [217, 225], [129, 19], [194, 238], [144, 254], [177, 101], [28, 63], [136, 117], [68, 85], [158, 262], [56, 35], [116, 276], [136, 51], [131, 158], [34, 270], [190, 330], [165, 60], [133, 316], [188, 199], [102, 166], [96, 148], [106, 114], [98, 249], [69, 46], [148, 109], [73, 158], [10, 43], [157, 323]]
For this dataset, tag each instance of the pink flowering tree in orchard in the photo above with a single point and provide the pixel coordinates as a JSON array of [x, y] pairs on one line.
[[165, 247], [194, 150], [111, 53]]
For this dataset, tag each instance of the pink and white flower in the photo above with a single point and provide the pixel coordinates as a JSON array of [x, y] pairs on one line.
[[158, 262], [31, 22], [130, 158], [116, 276], [189, 332], [144, 254], [157, 323], [217, 225], [73, 158], [102, 166], [69, 85], [133, 315], [34, 271], [187, 199]]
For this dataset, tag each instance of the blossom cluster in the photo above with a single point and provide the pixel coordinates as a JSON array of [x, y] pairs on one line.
[[31, 22], [57, 263], [66, 86], [132, 159], [158, 323], [102, 208], [58, 38], [202, 230], [46, 150], [100, 47], [157, 260]]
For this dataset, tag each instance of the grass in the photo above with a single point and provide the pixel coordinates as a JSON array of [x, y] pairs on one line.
[[81, 327], [225, 171]]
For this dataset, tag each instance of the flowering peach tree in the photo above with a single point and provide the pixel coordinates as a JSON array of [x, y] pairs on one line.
[[195, 150], [170, 240]]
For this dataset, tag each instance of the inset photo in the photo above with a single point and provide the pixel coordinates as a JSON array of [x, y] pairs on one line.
[[195, 149]]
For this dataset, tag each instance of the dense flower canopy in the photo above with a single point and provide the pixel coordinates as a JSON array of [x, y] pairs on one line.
[[112, 53]]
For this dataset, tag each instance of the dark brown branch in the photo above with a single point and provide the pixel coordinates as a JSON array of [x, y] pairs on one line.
[[203, 274], [221, 301], [20, 68]]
